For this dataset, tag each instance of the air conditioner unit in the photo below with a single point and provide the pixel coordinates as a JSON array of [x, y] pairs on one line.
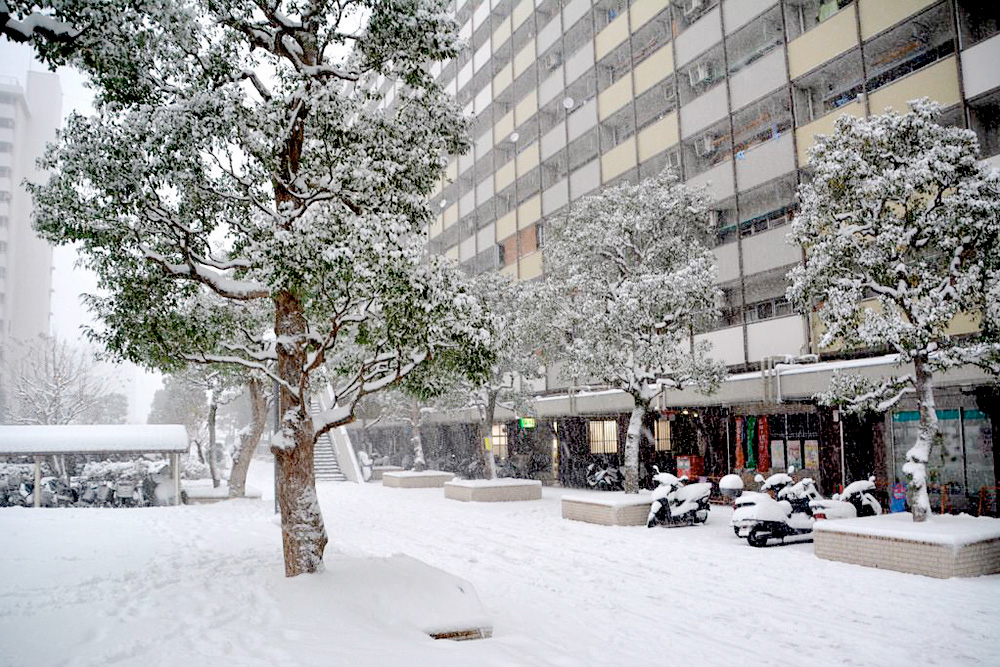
[[704, 145], [701, 73], [674, 160], [693, 8]]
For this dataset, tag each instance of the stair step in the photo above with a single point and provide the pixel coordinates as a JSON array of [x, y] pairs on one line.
[[326, 466]]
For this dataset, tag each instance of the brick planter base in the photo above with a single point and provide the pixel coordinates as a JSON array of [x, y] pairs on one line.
[[885, 542], [494, 490], [407, 479], [615, 510]]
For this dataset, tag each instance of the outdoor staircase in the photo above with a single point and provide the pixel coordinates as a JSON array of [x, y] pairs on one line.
[[325, 461]]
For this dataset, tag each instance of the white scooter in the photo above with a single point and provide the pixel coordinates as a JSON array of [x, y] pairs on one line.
[[677, 503], [761, 518], [855, 501]]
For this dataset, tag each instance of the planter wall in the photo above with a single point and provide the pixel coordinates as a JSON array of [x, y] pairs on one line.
[[490, 491]]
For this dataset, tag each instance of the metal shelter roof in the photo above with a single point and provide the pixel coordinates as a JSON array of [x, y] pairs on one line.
[[92, 439]]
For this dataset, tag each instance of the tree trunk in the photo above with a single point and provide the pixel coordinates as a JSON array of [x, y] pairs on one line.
[[419, 463], [249, 439], [632, 445], [201, 454], [919, 454], [486, 444], [303, 534], [213, 409]]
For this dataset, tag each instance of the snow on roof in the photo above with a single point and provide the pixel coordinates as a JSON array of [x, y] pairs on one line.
[[100, 438]]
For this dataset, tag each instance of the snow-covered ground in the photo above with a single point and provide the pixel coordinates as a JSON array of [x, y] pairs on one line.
[[204, 584]]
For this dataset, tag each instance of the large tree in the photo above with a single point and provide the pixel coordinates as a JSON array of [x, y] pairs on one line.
[[246, 149], [901, 228], [632, 278]]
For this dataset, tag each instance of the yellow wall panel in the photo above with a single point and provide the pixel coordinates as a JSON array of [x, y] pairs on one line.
[[613, 34], [531, 266], [504, 176], [828, 39], [507, 225], [500, 35], [654, 69], [805, 135], [938, 82], [451, 172], [510, 271], [524, 59], [529, 212], [503, 128], [504, 78], [452, 253], [877, 15], [618, 160], [527, 159], [615, 97], [522, 12], [644, 10], [450, 215], [658, 137], [526, 108]]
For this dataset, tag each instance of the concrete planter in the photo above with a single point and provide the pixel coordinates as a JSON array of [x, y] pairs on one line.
[[378, 471], [409, 479], [608, 509], [943, 546], [493, 490]]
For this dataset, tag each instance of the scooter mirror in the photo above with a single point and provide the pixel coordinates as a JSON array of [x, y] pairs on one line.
[[758, 478], [683, 478], [835, 496], [872, 479], [791, 470]]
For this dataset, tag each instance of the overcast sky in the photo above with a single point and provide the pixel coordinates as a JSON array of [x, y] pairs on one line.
[[68, 281]]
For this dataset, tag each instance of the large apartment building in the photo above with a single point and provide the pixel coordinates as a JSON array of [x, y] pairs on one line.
[[29, 117], [569, 96]]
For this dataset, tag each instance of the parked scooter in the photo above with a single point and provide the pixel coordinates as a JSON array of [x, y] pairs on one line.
[[855, 501], [610, 478], [769, 488], [677, 503], [788, 514]]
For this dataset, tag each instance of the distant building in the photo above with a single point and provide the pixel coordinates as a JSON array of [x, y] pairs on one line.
[[29, 118]]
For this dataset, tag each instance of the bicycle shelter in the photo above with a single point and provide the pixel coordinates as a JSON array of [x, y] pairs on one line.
[[39, 441]]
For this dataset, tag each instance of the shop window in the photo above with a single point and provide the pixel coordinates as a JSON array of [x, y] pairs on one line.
[[613, 66], [662, 435], [761, 121], [619, 127], [984, 114], [687, 12], [701, 75], [977, 20], [507, 250], [655, 103], [603, 436], [804, 15], [498, 439], [768, 206], [652, 36], [917, 43], [705, 150], [829, 88], [750, 43]]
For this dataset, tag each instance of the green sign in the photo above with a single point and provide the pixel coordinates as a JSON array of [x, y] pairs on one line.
[[527, 422]]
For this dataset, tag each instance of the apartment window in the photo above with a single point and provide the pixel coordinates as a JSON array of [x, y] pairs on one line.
[[529, 239], [529, 185], [768, 206], [754, 41], [707, 149], [804, 15], [606, 11], [524, 84], [768, 309], [603, 436], [498, 438], [613, 66], [662, 435], [6, 147], [977, 20], [527, 133], [730, 308], [655, 103], [651, 37], [687, 12], [831, 87], [761, 121], [701, 75], [723, 218], [578, 36], [554, 170], [581, 90], [984, 114], [507, 250], [6, 122], [550, 115], [917, 43], [619, 127]]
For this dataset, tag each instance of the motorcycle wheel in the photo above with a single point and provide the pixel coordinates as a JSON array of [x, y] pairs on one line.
[[757, 538]]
